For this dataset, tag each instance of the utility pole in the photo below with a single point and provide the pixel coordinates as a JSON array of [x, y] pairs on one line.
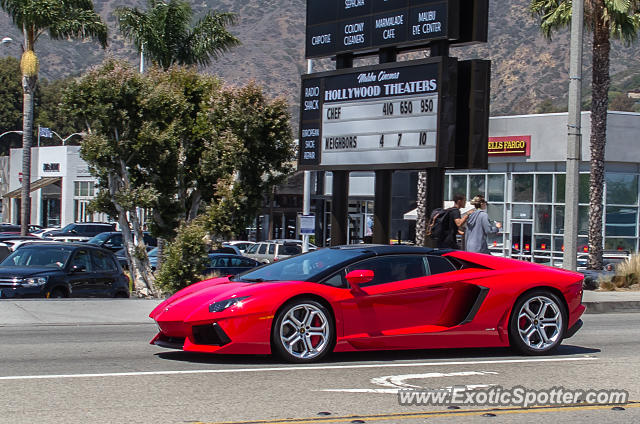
[[574, 139]]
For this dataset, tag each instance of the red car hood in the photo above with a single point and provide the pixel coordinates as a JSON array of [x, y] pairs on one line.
[[192, 299]]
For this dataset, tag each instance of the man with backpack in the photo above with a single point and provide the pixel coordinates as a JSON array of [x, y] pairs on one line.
[[446, 224]]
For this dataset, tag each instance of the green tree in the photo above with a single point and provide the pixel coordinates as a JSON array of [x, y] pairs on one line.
[[164, 35], [113, 101], [606, 19], [10, 103], [60, 19], [49, 113], [622, 102]]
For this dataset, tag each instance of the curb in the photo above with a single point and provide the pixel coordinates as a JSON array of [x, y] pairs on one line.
[[611, 307]]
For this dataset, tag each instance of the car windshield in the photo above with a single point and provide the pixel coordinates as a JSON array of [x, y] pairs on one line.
[[40, 256], [68, 228], [99, 239], [300, 268]]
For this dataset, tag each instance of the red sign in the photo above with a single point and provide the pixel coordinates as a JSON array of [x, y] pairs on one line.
[[518, 145]]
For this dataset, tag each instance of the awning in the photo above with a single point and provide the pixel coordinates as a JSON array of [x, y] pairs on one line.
[[412, 215], [36, 185]]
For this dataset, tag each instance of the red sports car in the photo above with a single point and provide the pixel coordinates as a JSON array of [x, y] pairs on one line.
[[355, 298]]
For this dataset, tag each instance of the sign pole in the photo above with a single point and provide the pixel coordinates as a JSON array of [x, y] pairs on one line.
[[340, 187], [306, 196], [383, 182]]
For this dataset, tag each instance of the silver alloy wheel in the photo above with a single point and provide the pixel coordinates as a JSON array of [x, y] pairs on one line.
[[304, 331], [540, 323]]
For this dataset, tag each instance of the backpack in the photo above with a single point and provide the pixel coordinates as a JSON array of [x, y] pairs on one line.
[[438, 223]]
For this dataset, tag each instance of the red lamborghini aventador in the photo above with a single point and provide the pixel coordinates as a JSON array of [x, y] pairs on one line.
[[354, 298]]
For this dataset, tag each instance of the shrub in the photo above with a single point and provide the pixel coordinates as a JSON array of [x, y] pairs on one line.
[[184, 258], [627, 274]]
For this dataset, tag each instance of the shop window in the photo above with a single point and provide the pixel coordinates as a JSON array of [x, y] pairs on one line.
[[496, 212], [583, 220], [476, 185], [459, 185], [84, 188], [447, 195], [561, 182], [584, 188], [621, 221], [622, 189], [522, 212], [522, 188], [620, 244], [544, 188], [543, 219], [558, 227], [496, 188]]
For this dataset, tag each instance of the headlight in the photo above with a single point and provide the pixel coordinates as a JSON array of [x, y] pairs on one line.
[[34, 282], [224, 304]]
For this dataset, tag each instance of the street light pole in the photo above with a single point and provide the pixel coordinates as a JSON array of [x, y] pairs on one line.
[[574, 139]]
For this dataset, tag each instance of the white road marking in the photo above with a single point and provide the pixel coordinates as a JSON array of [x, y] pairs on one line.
[[297, 368], [398, 382]]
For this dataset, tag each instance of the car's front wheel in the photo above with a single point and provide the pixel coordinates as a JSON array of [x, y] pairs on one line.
[[303, 331], [538, 323]]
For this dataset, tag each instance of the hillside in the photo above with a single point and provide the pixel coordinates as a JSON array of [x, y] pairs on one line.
[[526, 70]]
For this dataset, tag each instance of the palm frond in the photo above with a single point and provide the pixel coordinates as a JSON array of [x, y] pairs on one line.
[[209, 39]]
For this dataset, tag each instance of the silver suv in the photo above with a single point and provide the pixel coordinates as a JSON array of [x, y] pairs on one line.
[[270, 251]]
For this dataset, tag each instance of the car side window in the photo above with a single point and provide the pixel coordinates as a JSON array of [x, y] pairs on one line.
[[103, 262], [263, 249], [82, 259], [439, 265], [116, 240], [272, 249], [253, 248], [336, 280], [387, 269], [288, 249]]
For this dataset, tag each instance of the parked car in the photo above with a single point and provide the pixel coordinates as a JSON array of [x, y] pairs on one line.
[[9, 228], [121, 257], [240, 244], [112, 240], [225, 264], [267, 252], [79, 231], [62, 270]]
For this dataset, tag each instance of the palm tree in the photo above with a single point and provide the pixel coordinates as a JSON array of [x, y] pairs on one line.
[[606, 19], [61, 19], [164, 34]]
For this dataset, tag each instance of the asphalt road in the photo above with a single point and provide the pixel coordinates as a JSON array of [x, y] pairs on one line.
[[110, 374]]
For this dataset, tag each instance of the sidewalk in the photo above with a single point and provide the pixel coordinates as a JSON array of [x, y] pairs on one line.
[[136, 311], [76, 311], [606, 302]]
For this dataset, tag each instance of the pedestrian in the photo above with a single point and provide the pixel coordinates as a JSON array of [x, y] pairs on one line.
[[479, 226], [452, 225]]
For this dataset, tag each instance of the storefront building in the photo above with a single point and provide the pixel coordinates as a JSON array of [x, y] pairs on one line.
[[61, 187], [524, 185]]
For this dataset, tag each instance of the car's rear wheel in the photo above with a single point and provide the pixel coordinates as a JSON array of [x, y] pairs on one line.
[[303, 331], [538, 323]]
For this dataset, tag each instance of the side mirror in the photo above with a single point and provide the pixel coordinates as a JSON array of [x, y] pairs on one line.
[[359, 276], [78, 268]]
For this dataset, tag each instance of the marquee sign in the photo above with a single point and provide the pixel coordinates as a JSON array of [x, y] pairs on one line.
[[363, 26], [388, 116]]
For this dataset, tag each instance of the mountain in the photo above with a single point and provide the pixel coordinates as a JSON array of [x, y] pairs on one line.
[[527, 69]]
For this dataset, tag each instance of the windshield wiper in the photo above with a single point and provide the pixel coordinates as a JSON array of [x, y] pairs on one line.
[[253, 280]]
